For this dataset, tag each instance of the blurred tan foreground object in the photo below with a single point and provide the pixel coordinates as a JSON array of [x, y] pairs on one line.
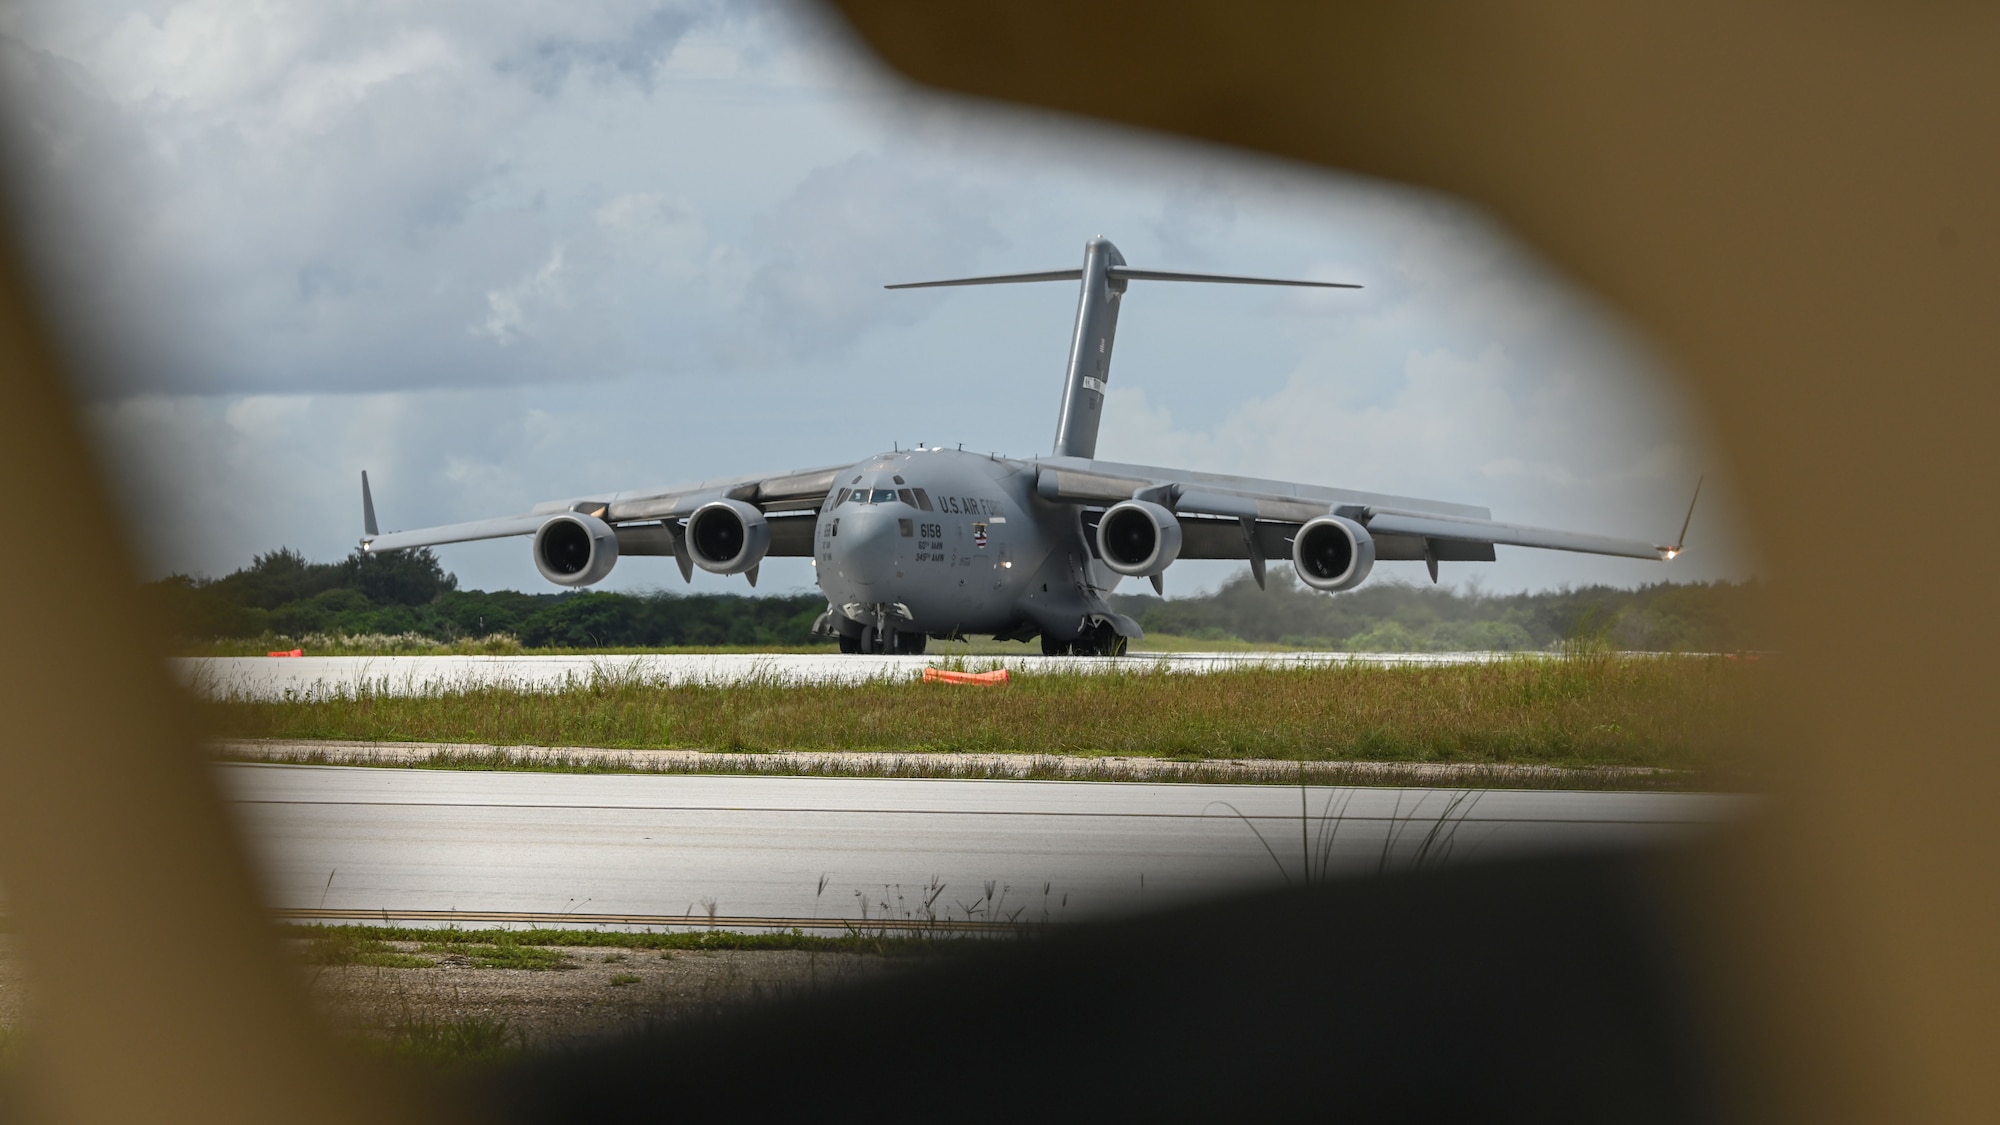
[[1798, 202], [158, 994]]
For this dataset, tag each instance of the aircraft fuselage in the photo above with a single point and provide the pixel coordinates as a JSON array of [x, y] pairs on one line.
[[946, 543]]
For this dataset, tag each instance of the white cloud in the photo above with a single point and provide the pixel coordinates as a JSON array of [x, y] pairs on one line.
[[510, 310]]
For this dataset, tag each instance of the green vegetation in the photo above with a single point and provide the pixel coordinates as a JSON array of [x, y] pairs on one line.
[[503, 954], [1393, 617], [495, 949], [1582, 710], [348, 946], [475, 1040], [405, 603]]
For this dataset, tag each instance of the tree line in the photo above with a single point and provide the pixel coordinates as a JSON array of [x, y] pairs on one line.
[[1397, 617], [280, 594]]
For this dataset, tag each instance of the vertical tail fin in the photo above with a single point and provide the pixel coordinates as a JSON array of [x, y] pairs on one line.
[[1090, 351]]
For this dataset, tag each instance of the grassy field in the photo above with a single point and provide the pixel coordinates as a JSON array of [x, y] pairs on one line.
[[1679, 712]]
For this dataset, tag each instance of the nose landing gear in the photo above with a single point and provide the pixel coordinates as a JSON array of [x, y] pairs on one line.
[[893, 642]]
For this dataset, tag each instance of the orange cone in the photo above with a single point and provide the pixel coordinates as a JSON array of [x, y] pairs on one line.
[[994, 678]]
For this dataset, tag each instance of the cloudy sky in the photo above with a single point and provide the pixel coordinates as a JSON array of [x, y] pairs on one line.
[[497, 253]]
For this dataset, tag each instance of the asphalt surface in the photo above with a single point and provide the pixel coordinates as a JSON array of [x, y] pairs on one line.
[[635, 850], [264, 677]]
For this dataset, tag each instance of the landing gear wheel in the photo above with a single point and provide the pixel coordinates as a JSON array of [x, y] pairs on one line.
[[909, 644], [850, 643], [1053, 647], [1100, 640], [866, 641]]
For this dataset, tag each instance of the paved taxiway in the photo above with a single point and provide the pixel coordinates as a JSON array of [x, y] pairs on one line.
[[374, 843], [263, 677]]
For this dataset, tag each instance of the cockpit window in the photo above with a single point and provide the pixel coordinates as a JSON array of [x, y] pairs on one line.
[[840, 499], [906, 496], [884, 496], [923, 499]]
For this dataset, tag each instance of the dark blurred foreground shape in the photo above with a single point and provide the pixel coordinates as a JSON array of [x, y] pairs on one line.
[[1542, 991], [1796, 202]]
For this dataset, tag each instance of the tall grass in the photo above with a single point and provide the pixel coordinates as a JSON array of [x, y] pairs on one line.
[[1587, 709]]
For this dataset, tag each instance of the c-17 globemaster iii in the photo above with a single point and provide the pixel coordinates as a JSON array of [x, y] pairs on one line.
[[942, 543]]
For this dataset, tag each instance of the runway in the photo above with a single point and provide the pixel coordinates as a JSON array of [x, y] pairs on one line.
[[263, 677], [640, 851]]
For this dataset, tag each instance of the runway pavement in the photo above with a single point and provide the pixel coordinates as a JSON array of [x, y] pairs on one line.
[[263, 677], [387, 844]]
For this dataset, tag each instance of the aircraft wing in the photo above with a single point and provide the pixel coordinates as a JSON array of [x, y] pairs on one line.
[[637, 512], [1232, 513]]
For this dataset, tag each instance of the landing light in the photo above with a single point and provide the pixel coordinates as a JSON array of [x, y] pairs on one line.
[[1007, 565], [1668, 553]]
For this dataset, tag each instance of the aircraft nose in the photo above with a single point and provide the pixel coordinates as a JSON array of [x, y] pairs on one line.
[[866, 546]]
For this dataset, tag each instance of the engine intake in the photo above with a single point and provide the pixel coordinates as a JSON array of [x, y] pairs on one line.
[[727, 536], [575, 549], [1333, 553], [1139, 538]]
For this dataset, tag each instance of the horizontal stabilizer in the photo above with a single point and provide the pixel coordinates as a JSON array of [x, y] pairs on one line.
[[1121, 273], [1127, 273], [1105, 277], [996, 279]]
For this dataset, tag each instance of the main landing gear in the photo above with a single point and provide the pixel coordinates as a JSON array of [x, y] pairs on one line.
[[1098, 640], [894, 642]]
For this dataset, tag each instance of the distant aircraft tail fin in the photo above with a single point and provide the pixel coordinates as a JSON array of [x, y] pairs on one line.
[[1104, 276], [368, 527]]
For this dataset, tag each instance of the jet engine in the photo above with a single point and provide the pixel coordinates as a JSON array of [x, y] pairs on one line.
[[1139, 538], [1333, 553], [575, 549], [727, 536]]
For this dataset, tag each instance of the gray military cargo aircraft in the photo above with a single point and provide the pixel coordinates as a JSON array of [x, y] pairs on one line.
[[922, 543]]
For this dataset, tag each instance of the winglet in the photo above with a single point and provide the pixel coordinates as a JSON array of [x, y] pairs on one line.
[[368, 527], [1679, 541]]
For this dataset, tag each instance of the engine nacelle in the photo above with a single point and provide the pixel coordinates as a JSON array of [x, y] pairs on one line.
[[727, 536], [1139, 538], [1333, 553], [574, 549]]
